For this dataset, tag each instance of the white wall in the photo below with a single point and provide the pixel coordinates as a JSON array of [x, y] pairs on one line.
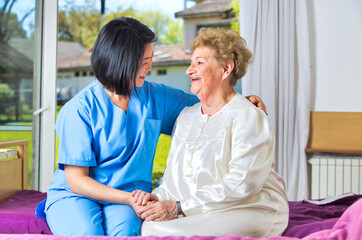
[[176, 77], [336, 51]]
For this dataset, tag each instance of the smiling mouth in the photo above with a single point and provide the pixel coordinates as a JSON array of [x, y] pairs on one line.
[[194, 79]]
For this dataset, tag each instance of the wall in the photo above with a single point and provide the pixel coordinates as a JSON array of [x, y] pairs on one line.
[[176, 77], [190, 28], [336, 51]]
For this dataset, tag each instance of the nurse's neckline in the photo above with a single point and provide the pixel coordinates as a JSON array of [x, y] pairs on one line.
[[118, 100]]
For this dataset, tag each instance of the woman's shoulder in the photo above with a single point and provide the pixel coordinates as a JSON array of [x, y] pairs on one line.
[[241, 101], [240, 104], [84, 98], [241, 110], [194, 109]]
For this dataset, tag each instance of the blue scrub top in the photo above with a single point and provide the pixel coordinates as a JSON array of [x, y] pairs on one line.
[[118, 147]]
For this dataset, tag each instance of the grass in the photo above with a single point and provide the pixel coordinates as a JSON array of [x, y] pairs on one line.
[[159, 165]]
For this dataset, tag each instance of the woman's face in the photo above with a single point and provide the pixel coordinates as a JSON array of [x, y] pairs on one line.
[[205, 72], [146, 65]]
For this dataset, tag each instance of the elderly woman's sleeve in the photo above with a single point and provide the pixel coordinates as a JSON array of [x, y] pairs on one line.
[[252, 146]]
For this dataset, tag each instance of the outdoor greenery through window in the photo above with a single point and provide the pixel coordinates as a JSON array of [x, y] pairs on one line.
[[17, 24]]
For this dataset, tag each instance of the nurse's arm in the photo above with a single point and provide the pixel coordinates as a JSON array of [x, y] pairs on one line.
[[80, 183]]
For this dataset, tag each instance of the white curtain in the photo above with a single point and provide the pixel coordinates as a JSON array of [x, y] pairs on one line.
[[276, 32]]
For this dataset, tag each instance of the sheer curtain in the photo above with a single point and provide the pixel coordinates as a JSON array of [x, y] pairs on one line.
[[276, 32]]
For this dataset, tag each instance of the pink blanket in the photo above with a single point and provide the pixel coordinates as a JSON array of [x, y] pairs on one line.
[[348, 226]]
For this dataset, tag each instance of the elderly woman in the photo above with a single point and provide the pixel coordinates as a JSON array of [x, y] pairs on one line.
[[220, 177]]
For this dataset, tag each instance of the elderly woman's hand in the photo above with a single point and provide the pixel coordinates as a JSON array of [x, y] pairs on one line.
[[257, 102], [159, 211], [141, 197]]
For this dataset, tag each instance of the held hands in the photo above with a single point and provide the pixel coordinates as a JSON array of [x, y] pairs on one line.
[[257, 102], [148, 208], [141, 197], [159, 211]]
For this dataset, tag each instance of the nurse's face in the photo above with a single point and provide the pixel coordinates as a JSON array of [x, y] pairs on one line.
[[146, 65]]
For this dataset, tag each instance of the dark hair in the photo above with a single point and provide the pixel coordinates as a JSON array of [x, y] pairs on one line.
[[118, 52]]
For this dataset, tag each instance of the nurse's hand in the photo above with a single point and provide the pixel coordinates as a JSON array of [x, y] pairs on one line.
[[137, 207], [158, 211], [141, 197], [257, 102]]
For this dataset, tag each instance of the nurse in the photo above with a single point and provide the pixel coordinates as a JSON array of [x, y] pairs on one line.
[[108, 135]]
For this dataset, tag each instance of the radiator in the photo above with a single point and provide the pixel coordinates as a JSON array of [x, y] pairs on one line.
[[335, 174]]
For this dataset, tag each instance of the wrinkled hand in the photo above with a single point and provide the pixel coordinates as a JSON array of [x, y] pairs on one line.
[[257, 102], [158, 211], [142, 198]]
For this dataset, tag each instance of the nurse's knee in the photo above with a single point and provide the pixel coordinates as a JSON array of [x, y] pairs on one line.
[[75, 217], [77, 228], [129, 227]]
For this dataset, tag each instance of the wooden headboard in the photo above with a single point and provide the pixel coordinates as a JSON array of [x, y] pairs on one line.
[[335, 132], [13, 167]]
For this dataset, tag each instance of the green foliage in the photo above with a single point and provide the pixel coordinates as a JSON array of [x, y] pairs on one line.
[[6, 95], [79, 24], [173, 34], [235, 25], [156, 21], [160, 160], [82, 23], [10, 25]]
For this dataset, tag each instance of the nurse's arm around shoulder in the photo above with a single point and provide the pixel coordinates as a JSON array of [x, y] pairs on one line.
[[80, 183]]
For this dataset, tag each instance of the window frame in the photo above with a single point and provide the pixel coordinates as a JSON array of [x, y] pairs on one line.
[[44, 96]]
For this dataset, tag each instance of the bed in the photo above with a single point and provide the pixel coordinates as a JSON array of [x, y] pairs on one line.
[[335, 217]]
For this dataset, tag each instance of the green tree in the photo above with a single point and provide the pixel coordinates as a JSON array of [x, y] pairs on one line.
[[82, 23], [10, 25], [173, 34], [235, 24], [6, 96], [155, 20], [130, 12], [79, 24]]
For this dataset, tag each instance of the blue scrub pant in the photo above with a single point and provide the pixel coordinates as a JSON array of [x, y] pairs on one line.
[[79, 216]]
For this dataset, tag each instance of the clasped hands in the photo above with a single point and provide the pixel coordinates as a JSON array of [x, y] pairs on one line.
[[149, 208]]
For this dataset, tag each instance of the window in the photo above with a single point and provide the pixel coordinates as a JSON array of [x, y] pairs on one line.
[[161, 72], [17, 73]]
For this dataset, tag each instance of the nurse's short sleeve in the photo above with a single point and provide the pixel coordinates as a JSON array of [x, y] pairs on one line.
[[175, 101], [74, 130]]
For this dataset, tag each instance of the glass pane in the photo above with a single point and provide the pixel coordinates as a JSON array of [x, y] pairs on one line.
[[17, 21]]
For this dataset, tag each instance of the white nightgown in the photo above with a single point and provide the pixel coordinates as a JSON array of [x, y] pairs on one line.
[[221, 168]]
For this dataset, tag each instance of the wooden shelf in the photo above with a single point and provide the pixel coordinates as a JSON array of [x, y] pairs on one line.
[[335, 132]]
